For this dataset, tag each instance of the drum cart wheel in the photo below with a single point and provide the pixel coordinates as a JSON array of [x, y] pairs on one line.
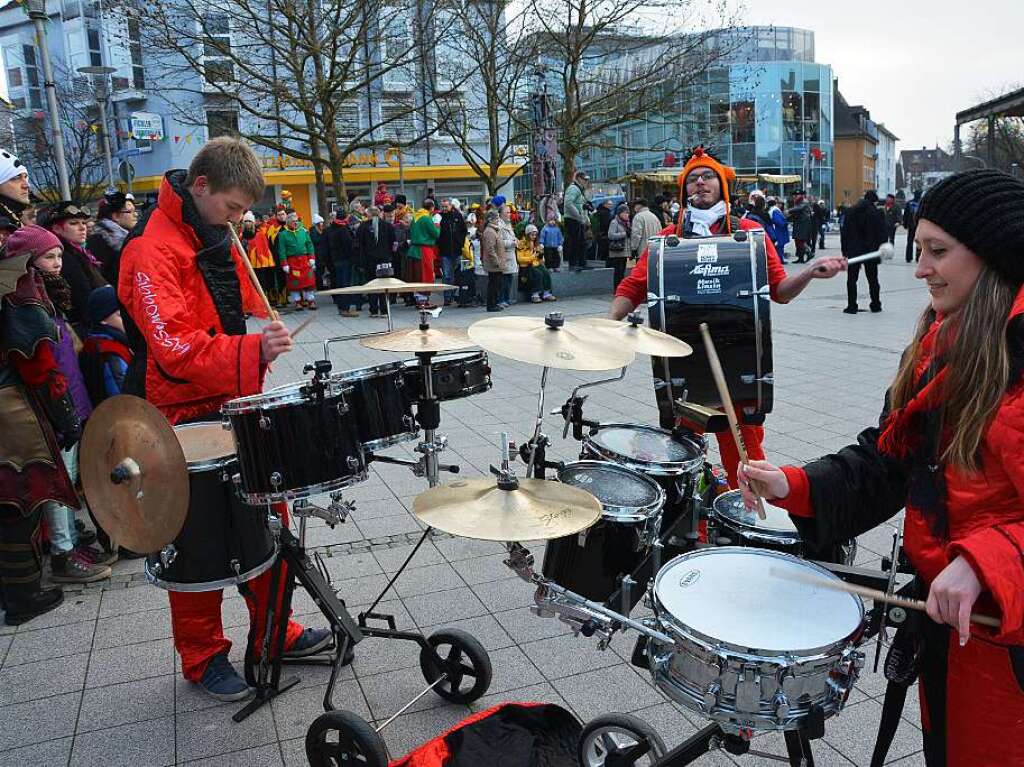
[[339, 738], [461, 659], [619, 740]]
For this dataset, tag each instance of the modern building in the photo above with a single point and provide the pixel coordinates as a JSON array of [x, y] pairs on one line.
[[856, 142], [155, 127], [765, 108], [885, 164], [924, 167]]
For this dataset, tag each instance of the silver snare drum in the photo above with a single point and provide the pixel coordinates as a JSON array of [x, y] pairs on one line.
[[647, 449], [756, 648]]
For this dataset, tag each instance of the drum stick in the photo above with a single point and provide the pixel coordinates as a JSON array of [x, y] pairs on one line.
[[252, 275], [869, 593], [730, 411], [884, 253], [301, 327]]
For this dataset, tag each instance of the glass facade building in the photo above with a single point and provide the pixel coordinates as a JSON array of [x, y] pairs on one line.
[[765, 108]]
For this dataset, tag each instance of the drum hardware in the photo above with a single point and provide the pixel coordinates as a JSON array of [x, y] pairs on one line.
[[634, 335], [335, 513], [572, 410], [698, 418], [894, 615]]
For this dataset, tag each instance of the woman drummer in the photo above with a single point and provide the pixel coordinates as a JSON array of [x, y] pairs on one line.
[[950, 448]]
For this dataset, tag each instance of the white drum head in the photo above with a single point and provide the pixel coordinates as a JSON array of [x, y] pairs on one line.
[[729, 506], [755, 600]]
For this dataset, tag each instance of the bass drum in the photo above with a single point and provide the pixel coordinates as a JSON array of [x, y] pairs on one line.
[[223, 542], [592, 562], [722, 281]]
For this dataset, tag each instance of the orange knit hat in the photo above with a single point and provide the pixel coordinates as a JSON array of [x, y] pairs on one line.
[[702, 158]]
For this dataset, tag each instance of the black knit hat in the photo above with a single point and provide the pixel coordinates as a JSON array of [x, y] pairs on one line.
[[983, 209]]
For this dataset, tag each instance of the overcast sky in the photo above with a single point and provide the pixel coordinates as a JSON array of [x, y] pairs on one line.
[[913, 64]]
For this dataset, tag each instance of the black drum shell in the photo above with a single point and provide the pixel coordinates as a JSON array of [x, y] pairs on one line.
[[381, 405], [222, 542], [311, 445], [593, 568], [455, 376]]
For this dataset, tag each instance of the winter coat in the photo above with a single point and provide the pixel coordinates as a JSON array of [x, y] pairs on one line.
[[191, 352], [528, 253], [573, 202], [104, 362], [618, 237], [780, 228], [492, 252], [83, 277], [422, 234], [803, 221], [452, 234], [604, 219], [551, 236], [259, 251], [508, 242], [105, 244], [863, 230], [645, 225], [340, 243], [375, 251]]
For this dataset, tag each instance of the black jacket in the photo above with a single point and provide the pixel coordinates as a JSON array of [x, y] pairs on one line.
[[82, 277], [604, 220], [340, 244], [375, 251], [863, 229], [453, 234], [105, 243]]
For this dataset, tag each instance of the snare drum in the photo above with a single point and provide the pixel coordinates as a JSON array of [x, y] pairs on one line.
[[591, 562], [222, 543], [455, 376], [756, 647], [776, 531], [674, 462], [293, 443], [381, 404]]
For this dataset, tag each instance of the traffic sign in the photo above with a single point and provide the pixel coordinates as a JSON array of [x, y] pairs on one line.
[[128, 152], [126, 171]]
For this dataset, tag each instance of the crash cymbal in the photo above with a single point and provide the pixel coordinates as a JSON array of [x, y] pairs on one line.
[[550, 341], [638, 338], [133, 473], [389, 285], [539, 509], [420, 340]]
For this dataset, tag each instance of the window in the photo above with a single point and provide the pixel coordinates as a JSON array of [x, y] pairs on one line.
[[14, 77], [792, 114], [451, 111], [396, 45], [135, 49], [93, 40], [217, 63], [346, 120], [743, 122], [221, 122], [396, 115]]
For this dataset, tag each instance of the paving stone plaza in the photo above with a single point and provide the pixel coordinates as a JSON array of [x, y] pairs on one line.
[[96, 681]]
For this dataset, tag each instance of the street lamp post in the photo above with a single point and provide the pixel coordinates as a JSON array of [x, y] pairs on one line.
[[101, 89], [37, 12]]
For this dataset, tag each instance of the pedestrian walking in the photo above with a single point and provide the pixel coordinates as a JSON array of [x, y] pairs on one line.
[[576, 221], [910, 222], [863, 232]]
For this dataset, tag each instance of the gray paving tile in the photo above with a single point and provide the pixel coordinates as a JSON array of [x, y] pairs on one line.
[[523, 626], [264, 756], [391, 559], [455, 549], [483, 569], [423, 580], [352, 566], [392, 525], [535, 693], [444, 606], [56, 642], [512, 669], [566, 655], [83, 606], [142, 744], [846, 733], [377, 656], [131, 662], [126, 703], [45, 754], [132, 628], [42, 679], [484, 628], [211, 732], [294, 752], [413, 729], [914, 760], [23, 724], [5, 643], [363, 589], [774, 743], [607, 690], [132, 600], [508, 594], [386, 693], [295, 711]]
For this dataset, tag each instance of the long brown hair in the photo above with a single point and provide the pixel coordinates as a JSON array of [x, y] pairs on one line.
[[973, 345]]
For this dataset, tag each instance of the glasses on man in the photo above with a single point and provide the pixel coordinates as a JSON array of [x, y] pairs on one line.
[[706, 177]]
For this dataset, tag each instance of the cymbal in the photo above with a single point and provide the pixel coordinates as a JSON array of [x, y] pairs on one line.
[[388, 285], [639, 338], [416, 340], [129, 437], [532, 339], [539, 509]]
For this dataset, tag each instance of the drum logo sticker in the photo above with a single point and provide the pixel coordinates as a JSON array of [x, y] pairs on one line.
[[689, 578], [707, 253]]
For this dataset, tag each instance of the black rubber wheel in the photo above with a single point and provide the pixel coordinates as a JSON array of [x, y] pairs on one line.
[[463, 659], [344, 739], [609, 732]]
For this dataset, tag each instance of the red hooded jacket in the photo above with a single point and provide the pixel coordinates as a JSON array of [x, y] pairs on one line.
[[191, 366]]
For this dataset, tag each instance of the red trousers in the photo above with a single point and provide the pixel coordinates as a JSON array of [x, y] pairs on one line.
[[199, 630], [428, 263], [752, 436]]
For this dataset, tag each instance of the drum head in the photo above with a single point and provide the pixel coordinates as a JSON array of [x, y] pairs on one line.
[[754, 600], [729, 507], [360, 374], [648, 446], [625, 495], [205, 445]]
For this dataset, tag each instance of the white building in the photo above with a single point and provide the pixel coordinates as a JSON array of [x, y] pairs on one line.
[[885, 164]]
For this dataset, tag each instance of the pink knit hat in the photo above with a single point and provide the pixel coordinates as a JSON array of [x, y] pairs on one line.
[[31, 239]]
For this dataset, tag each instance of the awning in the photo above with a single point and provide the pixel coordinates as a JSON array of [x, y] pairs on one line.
[[657, 176]]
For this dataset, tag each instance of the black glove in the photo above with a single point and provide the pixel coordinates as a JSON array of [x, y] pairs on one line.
[[60, 411], [68, 440]]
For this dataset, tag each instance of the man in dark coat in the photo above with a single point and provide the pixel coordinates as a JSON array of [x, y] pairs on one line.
[[605, 214], [910, 222], [341, 248], [802, 219], [375, 238], [449, 244], [863, 232]]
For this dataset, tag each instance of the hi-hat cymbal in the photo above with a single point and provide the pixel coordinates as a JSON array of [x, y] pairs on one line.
[[133, 473], [542, 341], [417, 340], [477, 508], [639, 338], [389, 285]]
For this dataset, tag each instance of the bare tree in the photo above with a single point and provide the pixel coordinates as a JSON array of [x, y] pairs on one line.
[[309, 79], [486, 47], [619, 61], [83, 154]]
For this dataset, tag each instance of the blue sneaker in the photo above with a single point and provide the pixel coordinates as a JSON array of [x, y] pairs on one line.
[[310, 642], [221, 682]]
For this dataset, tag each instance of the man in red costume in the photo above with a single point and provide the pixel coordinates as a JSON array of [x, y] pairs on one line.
[[704, 183], [185, 293]]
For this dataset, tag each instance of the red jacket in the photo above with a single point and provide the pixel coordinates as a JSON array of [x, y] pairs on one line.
[[190, 365], [634, 285]]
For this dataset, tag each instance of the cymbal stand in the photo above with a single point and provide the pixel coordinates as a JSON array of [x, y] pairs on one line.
[[572, 410]]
